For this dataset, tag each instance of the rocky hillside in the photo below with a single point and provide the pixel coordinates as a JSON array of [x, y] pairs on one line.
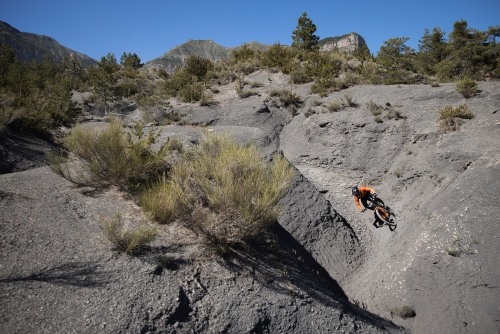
[[204, 48], [30, 46], [210, 50], [323, 268]]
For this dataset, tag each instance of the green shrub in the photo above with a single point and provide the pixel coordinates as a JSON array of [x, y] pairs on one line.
[[278, 56], [244, 53], [109, 155], [123, 239], [467, 87], [191, 93], [462, 111], [177, 81], [198, 66], [378, 119], [223, 192]]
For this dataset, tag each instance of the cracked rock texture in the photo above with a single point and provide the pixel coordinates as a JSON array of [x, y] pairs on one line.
[[322, 268]]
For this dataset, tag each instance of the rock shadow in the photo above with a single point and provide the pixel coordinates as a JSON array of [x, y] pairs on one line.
[[80, 274]]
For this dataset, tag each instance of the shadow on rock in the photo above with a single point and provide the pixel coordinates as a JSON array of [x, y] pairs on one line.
[[75, 274]]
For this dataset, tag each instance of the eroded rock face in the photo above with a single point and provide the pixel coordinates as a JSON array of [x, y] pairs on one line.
[[347, 43]]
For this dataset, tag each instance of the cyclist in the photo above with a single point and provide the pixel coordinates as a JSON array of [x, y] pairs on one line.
[[362, 194]]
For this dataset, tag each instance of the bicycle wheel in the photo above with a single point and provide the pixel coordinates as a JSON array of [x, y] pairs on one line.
[[386, 218]]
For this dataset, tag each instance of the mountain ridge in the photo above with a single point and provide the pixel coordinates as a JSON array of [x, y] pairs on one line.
[[29, 46]]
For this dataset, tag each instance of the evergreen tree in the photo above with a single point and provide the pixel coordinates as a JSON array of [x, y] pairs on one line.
[[130, 61], [102, 78], [303, 37], [467, 53], [394, 54], [433, 48], [7, 58]]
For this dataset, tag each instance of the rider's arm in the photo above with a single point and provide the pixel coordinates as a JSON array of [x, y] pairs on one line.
[[368, 189], [358, 204]]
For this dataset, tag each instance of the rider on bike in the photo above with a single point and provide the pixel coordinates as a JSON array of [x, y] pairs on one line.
[[362, 194]]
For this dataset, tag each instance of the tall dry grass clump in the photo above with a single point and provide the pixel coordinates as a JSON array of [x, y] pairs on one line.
[[113, 156], [224, 191]]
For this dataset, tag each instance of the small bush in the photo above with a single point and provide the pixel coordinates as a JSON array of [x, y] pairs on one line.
[[348, 100], [316, 103], [246, 93], [392, 113], [375, 109], [467, 87], [309, 112], [191, 93], [288, 98], [378, 119], [123, 239], [223, 192], [451, 118], [334, 106], [256, 84]]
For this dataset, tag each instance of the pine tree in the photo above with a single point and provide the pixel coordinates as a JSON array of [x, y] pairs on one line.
[[433, 48], [303, 37]]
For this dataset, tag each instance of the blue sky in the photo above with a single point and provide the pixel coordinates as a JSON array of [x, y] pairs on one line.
[[151, 28]]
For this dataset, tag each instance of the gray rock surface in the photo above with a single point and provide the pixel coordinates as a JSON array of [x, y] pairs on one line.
[[322, 258]]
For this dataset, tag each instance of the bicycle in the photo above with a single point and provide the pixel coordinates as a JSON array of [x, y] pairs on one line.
[[383, 212]]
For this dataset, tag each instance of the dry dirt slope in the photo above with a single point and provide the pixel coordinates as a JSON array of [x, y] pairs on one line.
[[444, 188]]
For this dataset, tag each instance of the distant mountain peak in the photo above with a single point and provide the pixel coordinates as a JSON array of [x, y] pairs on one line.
[[29, 46]]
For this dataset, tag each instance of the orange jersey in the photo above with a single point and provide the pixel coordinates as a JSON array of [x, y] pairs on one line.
[[365, 192]]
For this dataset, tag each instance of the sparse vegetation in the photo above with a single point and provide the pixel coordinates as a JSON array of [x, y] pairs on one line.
[[334, 106], [374, 108], [124, 239], [451, 118], [459, 246], [256, 84], [246, 93], [348, 100]]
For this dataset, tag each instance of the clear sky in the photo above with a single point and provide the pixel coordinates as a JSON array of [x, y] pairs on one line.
[[152, 27]]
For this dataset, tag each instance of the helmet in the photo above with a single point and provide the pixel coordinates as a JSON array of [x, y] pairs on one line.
[[356, 192]]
